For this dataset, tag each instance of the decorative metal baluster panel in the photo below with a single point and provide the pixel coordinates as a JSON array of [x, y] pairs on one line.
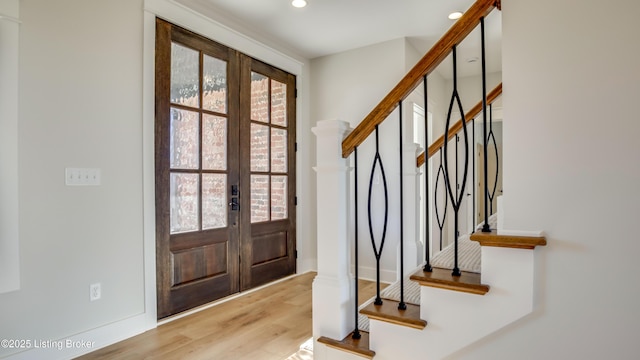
[[377, 250], [427, 228], [485, 137], [473, 172], [441, 177], [492, 138], [356, 332], [401, 305], [456, 194]]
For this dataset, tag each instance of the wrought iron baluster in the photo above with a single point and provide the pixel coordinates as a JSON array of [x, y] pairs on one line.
[[457, 195], [485, 227], [427, 231], [356, 332], [401, 305], [457, 169], [377, 161], [492, 137], [473, 174], [441, 222]]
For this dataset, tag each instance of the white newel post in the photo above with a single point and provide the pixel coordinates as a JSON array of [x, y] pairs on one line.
[[333, 311], [413, 247]]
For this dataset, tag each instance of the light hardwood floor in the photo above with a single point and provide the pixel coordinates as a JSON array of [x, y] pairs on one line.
[[270, 323]]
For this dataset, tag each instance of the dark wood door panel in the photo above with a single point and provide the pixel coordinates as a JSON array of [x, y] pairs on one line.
[[270, 271], [199, 263], [179, 242], [269, 247], [270, 253], [199, 293]]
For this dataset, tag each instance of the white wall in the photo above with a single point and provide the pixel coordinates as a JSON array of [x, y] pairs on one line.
[[80, 106], [571, 151], [470, 89], [348, 85], [9, 242], [85, 101]]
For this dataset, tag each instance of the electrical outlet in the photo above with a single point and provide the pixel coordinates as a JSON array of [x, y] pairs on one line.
[[95, 292]]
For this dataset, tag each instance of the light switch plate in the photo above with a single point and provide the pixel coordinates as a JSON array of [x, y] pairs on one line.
[[82, 176]]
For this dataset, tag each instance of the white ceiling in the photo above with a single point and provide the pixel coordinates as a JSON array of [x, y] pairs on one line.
[[330, 26]]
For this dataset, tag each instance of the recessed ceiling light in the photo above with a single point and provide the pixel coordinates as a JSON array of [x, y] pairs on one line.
[[455, 15], [299, 3]]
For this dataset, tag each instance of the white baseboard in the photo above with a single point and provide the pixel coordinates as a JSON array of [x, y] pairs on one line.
[[88, 341], [306, 265], [369, 273]]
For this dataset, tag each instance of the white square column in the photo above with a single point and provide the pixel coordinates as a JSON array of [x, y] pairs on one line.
[[333, 301]]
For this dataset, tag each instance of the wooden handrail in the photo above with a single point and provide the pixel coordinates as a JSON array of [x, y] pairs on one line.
[[453, 130], [426, 65]]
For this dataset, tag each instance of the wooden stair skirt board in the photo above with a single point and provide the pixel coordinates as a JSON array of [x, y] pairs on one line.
[[358, 347], [509, 241], [441, 278], [390, 313]]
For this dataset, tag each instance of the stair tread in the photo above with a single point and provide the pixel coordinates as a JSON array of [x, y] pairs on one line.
[[357, 347], [389, 312], [442, 278], [509, 241]]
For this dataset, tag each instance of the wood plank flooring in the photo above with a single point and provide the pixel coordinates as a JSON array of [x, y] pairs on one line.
[[270, 323]]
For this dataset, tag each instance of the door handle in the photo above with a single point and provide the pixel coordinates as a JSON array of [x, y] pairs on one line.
[[235, 206]]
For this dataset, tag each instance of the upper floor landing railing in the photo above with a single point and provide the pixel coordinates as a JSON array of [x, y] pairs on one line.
[[429, 62], [457, 127]]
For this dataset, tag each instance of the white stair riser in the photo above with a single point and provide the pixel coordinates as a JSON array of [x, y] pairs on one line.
[[457, 319]]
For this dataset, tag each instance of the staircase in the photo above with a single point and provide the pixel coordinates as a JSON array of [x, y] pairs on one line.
[[453, 311], [455, 305]]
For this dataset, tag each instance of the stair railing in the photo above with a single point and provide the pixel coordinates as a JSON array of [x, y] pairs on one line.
[[437, 148], [394, 99]]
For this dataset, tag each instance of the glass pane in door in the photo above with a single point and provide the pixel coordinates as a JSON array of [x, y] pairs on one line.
[[184, 139], [259, 198], [214, 201], [259, 97], [185, 75], [278, 197], [214, 142], [214, 84], [278, 103], [278, 150], [183, 198], [259, 147]]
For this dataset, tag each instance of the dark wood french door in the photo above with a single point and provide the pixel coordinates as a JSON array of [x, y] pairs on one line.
[[225, 171]]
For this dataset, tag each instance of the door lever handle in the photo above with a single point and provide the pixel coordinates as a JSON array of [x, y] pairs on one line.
[[235, 206]]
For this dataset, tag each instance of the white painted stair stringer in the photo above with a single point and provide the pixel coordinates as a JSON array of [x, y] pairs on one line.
[[457, 319]]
